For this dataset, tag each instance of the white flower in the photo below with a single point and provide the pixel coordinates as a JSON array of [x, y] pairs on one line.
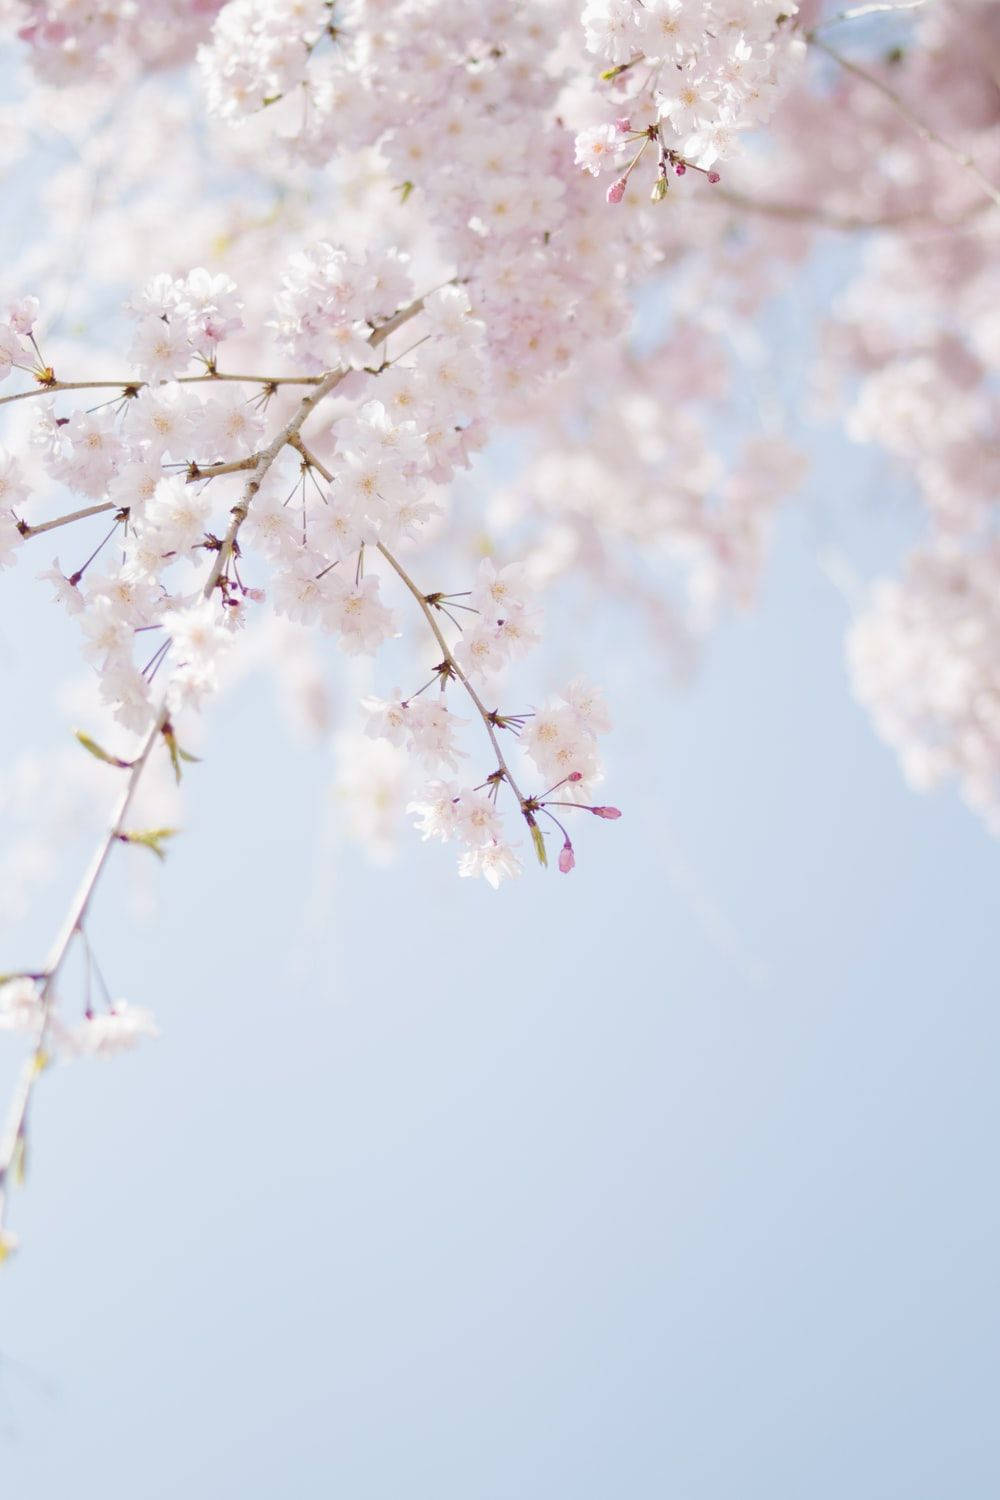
[[609, 27], [14, 488], [106, 1033], [387, 719], [67, 594], [588, 705], [482, 651], [437, 810], [163, 418], [21, 1007], [10, 540], [301, 590], [178, 512], [476, 818], [212, 306], [432, 731], [160, 349], [358, 614], [494, 861], [198, 633], [496, 593], [597, 148]]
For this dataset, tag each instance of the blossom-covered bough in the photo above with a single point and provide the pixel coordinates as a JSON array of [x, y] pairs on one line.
[[387, 212]]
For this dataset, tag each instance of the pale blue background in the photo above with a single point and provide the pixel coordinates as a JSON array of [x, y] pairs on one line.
[[672, 1179]]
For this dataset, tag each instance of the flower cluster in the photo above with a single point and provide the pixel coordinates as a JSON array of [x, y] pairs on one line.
[[330, 301], [260, 51], [116, 1027], [318, 526], [924, 662], [685, 80], [73, 43], [179, 320], [474, 290], [16, 336]]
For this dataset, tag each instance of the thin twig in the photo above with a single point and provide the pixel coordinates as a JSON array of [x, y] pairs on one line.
[[857, 11], [28, 532], [80, 904], [455, 667], [47, 387], [447, 653], [814, 213], [195, 472], [924, 131]]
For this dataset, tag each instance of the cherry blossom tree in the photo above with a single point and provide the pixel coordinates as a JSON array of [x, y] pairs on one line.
[[298, 269]]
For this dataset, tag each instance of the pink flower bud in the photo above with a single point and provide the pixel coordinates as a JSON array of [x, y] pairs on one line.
[[624, 125], [606, 812], [566, 858], [575, 776], [713, 176], [257, 595], [680, 169], [616, 191]]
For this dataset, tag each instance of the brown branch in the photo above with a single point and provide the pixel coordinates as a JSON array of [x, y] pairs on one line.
[[80, 905], [924, 131], [28, 532], [882, 7], [447, 653], [127, 387]]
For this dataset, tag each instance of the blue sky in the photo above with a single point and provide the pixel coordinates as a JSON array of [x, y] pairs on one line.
[[672, 1178]]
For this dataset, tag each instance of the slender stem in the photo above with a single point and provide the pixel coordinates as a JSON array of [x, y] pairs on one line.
[[195, 473], [48, 386], [310, 458], [857, 11], [455, 666], [924, 131], [76, 515], [211, 471], [80, 904], [816, 213]]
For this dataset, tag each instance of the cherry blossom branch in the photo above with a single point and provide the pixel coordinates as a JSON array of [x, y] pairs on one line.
[[456, 669], [857, 11], [808, 213], [14, 1137], [75, 515], [454, 666], [195, 472], [903, 110], [127, 387]]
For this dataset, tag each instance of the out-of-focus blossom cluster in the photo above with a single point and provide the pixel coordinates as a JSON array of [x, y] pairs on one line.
[[925, 661], [683, 82], [392, 362], [73, 43], [398, 147]]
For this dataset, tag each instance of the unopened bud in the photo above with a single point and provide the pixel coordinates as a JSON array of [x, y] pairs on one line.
[[606, 812], [616, 191], [566, 858], [624, 125], [680, 168], [713, 176], [659, 190]]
